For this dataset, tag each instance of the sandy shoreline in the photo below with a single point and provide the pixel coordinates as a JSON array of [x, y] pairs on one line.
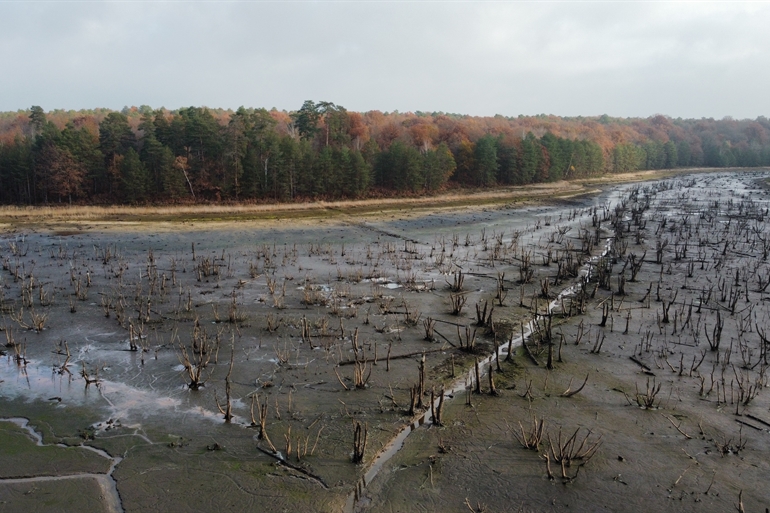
[[74, 219]]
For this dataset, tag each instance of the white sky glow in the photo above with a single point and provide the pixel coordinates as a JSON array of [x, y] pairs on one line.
[[628, 58]]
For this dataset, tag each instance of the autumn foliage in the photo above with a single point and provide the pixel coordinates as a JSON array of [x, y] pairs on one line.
[[323, 151]]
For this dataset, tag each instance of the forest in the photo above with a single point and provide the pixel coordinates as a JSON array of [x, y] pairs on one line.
[[142, 155]]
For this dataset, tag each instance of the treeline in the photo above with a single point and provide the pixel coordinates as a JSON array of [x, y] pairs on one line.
[[323, 151]]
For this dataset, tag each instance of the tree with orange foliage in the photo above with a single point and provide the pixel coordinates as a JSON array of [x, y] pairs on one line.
[[388, 134], [65, 175], [357, 130], [423, 135]]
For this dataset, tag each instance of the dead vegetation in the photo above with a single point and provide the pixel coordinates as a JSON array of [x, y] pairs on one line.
[[570, 453], [683, 295]]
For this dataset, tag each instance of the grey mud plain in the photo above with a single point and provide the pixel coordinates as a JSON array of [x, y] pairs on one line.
[[599, 353]]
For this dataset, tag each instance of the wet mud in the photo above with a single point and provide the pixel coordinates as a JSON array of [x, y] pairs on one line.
[[229, 366]]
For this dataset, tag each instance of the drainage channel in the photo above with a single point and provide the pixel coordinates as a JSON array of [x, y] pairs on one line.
[[459, 385]]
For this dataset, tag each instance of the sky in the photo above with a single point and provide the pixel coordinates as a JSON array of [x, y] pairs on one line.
[[623, 58]]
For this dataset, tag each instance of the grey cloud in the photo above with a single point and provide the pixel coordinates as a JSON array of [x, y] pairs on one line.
[[625, 59]]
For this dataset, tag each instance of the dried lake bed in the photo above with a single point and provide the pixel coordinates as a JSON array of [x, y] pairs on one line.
[[236, 364]]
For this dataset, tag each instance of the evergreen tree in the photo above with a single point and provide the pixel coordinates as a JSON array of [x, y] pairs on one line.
[[306, 120], [44, 156], [359, 175], [683, 154], [115, 139], [439, 165], [323, 170], [37, 119], [671, 155], [507, 170], [485, 158], [560, 152], [531, 162], [134, 178], [83, 145], [627, 157], [16, 171], [465, 160]]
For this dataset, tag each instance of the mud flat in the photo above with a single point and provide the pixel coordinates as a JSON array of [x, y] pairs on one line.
[[668, 440], [233, 364]]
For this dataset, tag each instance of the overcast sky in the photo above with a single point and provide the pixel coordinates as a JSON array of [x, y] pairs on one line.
[[682, 59]]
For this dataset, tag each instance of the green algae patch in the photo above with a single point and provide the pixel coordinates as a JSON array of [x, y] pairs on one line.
[[22, 457], [52, 496], [163, 478], [56, 423]]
